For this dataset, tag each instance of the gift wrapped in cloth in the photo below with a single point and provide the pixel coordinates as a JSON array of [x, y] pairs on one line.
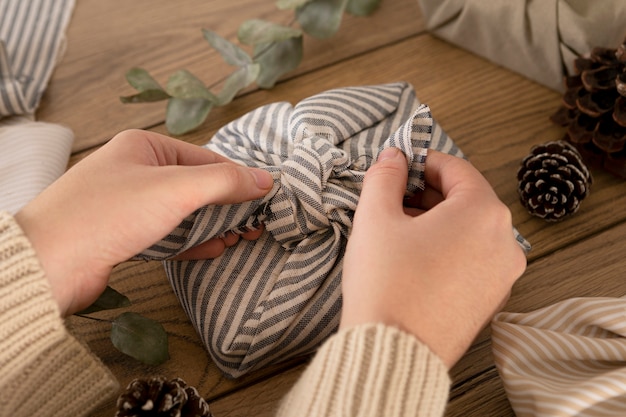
[[279, 296], [538, 39]]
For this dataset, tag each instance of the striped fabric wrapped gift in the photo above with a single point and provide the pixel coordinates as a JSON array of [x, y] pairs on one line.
[[280, 296]]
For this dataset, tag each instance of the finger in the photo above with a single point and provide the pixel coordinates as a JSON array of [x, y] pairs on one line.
[[215, 247], [446, 174], [220, 183], [230, 184], [384, 185], [230, 239], [254, 234], [164, 149], [183, 153], [208, 250], [425, 199], [413, 212]]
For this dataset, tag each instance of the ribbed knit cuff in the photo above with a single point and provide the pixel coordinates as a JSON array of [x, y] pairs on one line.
[[44, 371], [371, 370]]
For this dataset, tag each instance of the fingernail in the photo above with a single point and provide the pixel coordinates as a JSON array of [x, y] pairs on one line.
[[262, 178], [389, 153]]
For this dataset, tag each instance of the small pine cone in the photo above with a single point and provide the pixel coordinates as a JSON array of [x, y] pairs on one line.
[[553, 181], [158, 397]]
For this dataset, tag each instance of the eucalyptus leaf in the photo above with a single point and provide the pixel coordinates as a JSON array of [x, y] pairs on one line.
[[184, 115], [231, 53], [140, 337], [278, 49], [321, 18], [141, 80], [146, 96], [185, 85], [108, 300], [362, 7], [256, 31], [276, 59], [237, 81], [290, 4]]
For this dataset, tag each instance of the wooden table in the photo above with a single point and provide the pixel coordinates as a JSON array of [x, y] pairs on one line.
[[494, 115]]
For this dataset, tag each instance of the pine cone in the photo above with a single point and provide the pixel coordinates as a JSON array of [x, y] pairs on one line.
[[158, 397], [553, 181], [594, 109]]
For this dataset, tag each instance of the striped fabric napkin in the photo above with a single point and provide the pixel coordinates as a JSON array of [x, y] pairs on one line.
[[565, 360], [33, 154]]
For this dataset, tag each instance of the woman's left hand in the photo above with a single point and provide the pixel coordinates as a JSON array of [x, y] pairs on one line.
[[122, 199]]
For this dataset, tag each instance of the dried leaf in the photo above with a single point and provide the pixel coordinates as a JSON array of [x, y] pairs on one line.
[[256, 31], [276, 59], [290, 4], [237, 81], [108, 300], [231, 53], [140, 337], [185, 85], [321, 18], [184, 115], [362, 7]]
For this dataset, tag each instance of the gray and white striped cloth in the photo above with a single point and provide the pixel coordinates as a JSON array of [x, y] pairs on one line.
[[33, 154], [279, 296], [32, 37]]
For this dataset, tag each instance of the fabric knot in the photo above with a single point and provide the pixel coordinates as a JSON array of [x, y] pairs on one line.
[[306, 203]]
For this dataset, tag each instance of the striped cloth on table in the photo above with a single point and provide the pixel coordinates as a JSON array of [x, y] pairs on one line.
[[564, 360], [32, 35], [280, 296], [34, 154]]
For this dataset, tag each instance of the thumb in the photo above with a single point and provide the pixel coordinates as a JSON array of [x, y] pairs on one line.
[[231, 183], [385, 184], [219, 183]]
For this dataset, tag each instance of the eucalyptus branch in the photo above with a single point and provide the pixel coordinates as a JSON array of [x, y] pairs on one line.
[[260, 53], [277, 50]]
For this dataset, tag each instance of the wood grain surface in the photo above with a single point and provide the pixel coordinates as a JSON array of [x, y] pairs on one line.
[[494, 115], [106, 38]]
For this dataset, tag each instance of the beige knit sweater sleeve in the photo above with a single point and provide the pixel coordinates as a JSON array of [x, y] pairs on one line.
[[44, 371], [370, 370]]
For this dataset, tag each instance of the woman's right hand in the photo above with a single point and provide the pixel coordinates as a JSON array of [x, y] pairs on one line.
[[439, 271]]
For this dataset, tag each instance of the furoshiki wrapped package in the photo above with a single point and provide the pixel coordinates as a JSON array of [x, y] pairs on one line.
[[279, 296]]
